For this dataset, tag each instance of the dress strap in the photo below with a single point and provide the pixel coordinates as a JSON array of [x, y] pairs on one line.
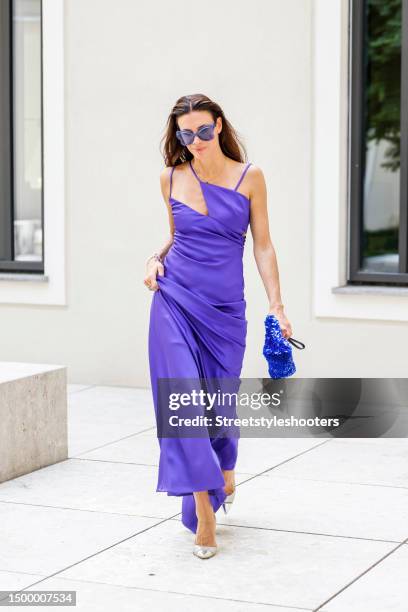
[[242, 175], [237, 185], [171, 179], [194, 172]]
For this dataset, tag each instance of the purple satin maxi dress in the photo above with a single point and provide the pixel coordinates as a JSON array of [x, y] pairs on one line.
[[198, 329]]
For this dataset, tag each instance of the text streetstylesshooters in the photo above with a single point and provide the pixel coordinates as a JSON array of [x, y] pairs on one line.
[[219, 421]]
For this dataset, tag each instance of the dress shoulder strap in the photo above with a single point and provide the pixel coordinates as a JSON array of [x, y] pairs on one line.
[[242, 175], [194, 172], [171, 179]]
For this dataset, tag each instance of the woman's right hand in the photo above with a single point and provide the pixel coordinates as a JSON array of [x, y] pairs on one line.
[[153, 268]]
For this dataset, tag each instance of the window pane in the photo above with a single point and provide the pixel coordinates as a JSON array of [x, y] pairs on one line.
[[382, 136], [27, 154]]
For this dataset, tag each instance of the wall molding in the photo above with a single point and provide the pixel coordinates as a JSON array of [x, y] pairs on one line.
[[52, 292], [330, 126]]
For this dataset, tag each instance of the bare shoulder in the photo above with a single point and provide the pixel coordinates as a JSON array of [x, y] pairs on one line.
[[165, 177], [255, 172], [256, 180], [166, 172]]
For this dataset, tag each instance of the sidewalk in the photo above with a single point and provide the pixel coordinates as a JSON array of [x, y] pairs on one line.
[[317, 524]]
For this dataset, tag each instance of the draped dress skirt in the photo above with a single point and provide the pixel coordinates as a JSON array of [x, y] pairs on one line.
[[198, 329]]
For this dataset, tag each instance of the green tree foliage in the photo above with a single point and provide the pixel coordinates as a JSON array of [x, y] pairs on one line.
[[383, 70]]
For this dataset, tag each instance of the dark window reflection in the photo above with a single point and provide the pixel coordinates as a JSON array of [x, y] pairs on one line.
[[27, 129], [382, 136]]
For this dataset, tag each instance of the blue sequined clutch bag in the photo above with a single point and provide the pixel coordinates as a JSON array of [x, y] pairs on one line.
[[277, 350]]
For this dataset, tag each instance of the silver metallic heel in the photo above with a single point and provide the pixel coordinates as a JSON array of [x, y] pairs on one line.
[[204, 552], [226, 506]]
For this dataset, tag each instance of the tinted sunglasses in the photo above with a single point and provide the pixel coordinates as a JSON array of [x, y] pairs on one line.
[[204, 132]]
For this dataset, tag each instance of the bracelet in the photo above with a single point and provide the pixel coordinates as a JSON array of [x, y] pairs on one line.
[[276, 306], [155, 256]]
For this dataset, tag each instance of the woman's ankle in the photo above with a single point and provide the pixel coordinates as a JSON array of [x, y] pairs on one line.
[[205, 533], [203, 506], [206, 518]]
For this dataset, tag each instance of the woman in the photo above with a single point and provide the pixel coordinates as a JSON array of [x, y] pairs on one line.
[[197, 318]]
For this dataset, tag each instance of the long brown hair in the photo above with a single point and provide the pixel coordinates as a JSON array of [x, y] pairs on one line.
[[175, 153]]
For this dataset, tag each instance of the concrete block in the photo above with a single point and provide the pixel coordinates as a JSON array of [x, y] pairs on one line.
[[33, 417]]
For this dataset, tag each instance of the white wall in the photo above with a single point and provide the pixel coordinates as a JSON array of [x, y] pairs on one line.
[[126, 63]]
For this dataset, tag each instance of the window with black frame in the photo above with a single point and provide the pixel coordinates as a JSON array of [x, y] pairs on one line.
[[378, 142], [21, 141]]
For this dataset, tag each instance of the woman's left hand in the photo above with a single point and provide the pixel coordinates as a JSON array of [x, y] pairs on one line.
[[284, 323]]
